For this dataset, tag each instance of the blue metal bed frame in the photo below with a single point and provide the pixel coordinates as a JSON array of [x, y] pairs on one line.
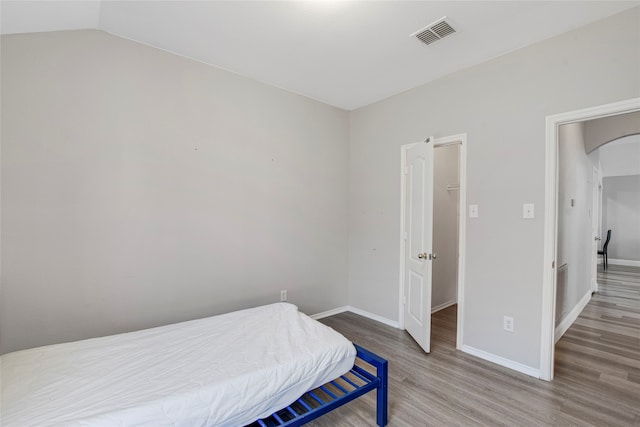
[[355, 383]]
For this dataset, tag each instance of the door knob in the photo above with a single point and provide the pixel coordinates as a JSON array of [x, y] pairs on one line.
[[423, 255]]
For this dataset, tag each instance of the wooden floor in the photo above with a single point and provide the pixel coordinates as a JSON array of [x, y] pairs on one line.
[[597, 371]]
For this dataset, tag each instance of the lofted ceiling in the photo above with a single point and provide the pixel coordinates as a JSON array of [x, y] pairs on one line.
[[344, 53]]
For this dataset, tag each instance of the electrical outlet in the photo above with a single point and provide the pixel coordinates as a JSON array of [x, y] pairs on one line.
[[508, 324], [283, 295]]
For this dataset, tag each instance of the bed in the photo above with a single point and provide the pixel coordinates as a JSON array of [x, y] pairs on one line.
[[270, 366]]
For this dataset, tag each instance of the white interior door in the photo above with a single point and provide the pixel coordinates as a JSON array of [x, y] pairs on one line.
[[595, 228], [418, 236]]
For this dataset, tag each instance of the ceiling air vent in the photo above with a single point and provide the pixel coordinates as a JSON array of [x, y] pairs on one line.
[[434, 32]]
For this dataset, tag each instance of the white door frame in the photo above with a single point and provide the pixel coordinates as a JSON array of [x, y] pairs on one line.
[[596, 193], [438, 142], [553, 123]]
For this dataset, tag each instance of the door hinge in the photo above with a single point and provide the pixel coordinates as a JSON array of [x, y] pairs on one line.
[[405, 235], [405, 170], [404, 300], [553, 264]]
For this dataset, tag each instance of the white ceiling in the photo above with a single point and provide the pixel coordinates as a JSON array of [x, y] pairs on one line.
[[344, 53]]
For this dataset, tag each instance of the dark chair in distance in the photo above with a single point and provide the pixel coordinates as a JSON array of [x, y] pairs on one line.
[[603, 252]]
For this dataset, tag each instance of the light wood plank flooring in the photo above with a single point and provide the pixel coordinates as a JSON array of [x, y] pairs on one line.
[[597, 371]]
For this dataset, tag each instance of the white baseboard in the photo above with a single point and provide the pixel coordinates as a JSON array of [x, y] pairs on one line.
[[358, 311], [330, 312], [444, 305], [625, 262], [375, 317], [571, 317], [527, 370]]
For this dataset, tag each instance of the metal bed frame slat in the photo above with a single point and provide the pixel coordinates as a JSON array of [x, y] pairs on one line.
[[280, 420], [323, 388], [344, 377], [292, 411], [371, 382], [304, 404], [360, 373], [336, 385], [316, 398]]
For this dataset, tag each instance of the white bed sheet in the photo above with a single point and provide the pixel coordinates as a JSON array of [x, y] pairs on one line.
[[225, 370]]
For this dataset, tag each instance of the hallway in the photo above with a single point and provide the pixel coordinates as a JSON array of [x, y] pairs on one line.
[[601, 350]]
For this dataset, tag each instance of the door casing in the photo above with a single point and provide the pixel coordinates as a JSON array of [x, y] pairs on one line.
[[595, 226], [448, 140], [553, 123]]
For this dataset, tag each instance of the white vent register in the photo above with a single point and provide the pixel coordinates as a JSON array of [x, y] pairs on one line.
[[434, 32]]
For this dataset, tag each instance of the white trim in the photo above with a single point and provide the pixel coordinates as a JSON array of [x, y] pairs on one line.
[[527, 370], [549, 255], [462, 240], [357, 311], [375, 317], [568, 320], [462, 227], [550, 218], [596, 193], [331, 312], [443, 305], [625, 262]]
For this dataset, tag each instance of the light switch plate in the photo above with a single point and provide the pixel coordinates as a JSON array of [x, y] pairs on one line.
[[527, 211], [473, 211]]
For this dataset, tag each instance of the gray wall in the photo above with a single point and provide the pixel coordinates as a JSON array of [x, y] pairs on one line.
[[621, 215], [601, 131], [502, 105], [575, 182], [445, 225], [620, 157], [141, 188]]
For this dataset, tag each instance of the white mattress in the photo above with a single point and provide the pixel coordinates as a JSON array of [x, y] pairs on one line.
[[225, 370]]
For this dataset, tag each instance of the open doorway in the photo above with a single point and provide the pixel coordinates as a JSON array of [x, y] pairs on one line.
[[446, 224], [578, 232], [620, 204], [553, 209], [432, 239]]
